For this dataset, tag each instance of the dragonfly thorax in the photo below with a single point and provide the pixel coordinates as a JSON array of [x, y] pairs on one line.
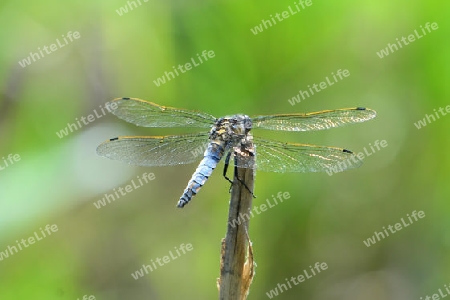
[[231, 128]]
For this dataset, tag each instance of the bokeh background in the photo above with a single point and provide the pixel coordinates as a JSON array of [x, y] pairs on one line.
[[327, 218]]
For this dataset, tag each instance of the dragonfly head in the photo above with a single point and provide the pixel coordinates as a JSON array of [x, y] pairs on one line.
[[240, 124]]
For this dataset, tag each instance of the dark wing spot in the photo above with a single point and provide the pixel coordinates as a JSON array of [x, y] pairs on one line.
[[347, 151], [113, 139], [360, 108], [125, 98]]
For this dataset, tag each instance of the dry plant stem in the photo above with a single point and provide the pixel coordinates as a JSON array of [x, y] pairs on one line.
[[235, 278]]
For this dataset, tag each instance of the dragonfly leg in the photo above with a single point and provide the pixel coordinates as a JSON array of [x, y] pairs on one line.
[[241, 181], [225, 168]]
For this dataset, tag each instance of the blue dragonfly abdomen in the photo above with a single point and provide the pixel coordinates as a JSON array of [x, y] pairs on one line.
[[211, 158]]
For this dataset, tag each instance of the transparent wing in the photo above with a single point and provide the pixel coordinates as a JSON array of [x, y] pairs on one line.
[[273, 156], [156, 150], [148, 114], [314, 121]]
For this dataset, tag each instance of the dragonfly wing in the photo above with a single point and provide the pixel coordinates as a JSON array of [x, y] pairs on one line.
[[314, 121], [148, 114], [155, 150], [273, 156]]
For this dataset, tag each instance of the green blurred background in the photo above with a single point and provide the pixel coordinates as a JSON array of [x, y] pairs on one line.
[[326, 219]]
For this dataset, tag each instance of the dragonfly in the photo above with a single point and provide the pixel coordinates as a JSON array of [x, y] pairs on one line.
[[228, 136]]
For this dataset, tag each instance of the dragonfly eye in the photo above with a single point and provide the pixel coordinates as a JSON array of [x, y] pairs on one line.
[[233, 123], [248, 124]]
